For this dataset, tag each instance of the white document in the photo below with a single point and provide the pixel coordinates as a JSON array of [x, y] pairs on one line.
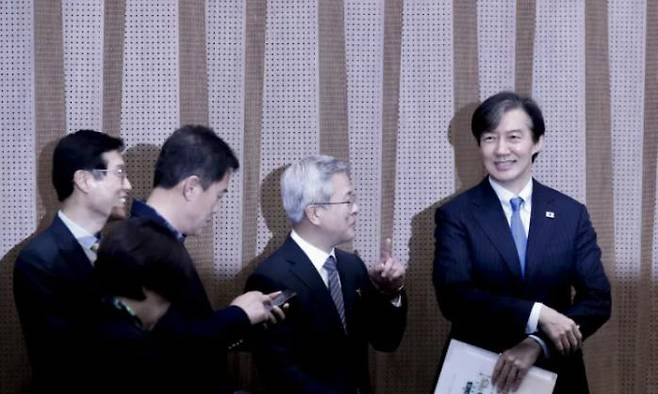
[[467, 370]]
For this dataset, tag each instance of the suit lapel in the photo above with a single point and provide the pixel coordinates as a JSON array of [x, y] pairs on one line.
[[302, 268], [540, 228], [76, 260], [489, 214]]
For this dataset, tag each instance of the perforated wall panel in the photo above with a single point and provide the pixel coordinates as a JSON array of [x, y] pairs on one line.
[[290, 112], [559, 88], [225, 42], [83, 63], [364, 31], [18, 213], [425, 163], [627, 45], [496, 46], [149, 107], [17, 161]]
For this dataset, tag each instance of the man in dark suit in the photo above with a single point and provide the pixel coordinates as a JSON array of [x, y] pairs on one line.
[[52, 277], [339, 307], [192, 174], [510, 251]]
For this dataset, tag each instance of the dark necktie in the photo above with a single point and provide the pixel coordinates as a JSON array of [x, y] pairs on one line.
[[518, 232], [334, 288]]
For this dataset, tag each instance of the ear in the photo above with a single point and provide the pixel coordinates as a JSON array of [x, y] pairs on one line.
[[81, 180], [313, 214], [539, 145], [191, 187]]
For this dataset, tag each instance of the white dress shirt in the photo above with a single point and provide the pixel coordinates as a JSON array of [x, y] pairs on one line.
[[505, 196], [317, 256], [84, 238]]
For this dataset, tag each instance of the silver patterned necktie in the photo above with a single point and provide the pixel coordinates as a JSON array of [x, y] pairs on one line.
[[334, 288]]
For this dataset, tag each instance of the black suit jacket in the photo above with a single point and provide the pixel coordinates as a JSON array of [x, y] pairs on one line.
[[55, 295], [310, 352], [479, 285], [191, 336]]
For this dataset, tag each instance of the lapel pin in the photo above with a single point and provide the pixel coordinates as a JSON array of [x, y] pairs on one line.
[[550, 214]]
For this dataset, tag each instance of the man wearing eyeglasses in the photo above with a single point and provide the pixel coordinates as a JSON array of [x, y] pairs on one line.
[[53, 274], [338, 307]]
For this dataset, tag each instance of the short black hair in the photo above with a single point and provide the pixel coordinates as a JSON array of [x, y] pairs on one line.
[[82, 150], [139, 253], [488, 114], [193, 150]]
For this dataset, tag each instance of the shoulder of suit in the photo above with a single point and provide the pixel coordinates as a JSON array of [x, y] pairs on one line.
[[40, 247], [557, 196], [461, 200]]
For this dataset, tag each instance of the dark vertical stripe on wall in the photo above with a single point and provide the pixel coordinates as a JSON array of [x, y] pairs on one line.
[[193, 63], [256, 22], [193, 104], [390, 111], [334, 139], [601, 359], [113, 37], [645, 373], [49, 97], [525, 42], [468, 170]]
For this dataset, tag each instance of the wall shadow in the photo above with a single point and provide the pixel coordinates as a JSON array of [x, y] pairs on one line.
[[419, 355], [241, 364], [15, 372]]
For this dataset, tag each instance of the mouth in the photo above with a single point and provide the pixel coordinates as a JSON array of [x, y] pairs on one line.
[[503, 165]]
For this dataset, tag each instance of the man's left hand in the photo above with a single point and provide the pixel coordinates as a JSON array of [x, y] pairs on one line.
[[388, 275], [513, 365]]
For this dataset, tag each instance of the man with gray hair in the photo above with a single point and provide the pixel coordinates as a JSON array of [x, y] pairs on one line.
[[339, 306]]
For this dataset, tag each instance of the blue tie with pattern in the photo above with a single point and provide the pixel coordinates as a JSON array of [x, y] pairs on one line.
[[518, 232], [334, 288]]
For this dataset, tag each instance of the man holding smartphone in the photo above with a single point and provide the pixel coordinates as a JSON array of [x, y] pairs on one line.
[[339, 307]]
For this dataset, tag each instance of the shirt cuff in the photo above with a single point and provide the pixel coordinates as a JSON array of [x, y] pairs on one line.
[[541, 344], [533, 320]]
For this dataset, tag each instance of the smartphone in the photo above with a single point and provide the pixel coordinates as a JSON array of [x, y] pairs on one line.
[[283, 297]]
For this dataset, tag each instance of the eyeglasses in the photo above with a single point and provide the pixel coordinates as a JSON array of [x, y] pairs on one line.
[[350, 203], [120, 172]]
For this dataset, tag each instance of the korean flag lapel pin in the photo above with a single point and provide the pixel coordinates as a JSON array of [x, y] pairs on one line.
[[550, 214]]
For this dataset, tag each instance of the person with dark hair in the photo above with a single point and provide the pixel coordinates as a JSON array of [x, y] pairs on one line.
[[517, 269], [192, 174], [53, 288], [340, 308], [136, 261]]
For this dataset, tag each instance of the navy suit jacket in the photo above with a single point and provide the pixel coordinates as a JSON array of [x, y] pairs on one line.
[[478, 280], [310, 352], [54, 296]]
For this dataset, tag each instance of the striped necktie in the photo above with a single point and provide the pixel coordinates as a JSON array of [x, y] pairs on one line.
[[334, 288]]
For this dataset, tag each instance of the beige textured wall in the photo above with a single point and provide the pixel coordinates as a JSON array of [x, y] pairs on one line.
[[387, 84]]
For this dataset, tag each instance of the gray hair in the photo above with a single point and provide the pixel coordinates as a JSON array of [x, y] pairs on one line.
[[309, 181]]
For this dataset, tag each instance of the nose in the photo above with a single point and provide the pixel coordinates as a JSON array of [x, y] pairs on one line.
[[501, 147], [126, 184], [355, 208]]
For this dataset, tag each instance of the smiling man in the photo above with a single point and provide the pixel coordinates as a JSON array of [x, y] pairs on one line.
[[53, 284], [510, 252], [339, 307]]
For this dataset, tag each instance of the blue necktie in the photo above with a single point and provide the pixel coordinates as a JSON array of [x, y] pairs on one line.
[[334, 288], [518, 232]]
